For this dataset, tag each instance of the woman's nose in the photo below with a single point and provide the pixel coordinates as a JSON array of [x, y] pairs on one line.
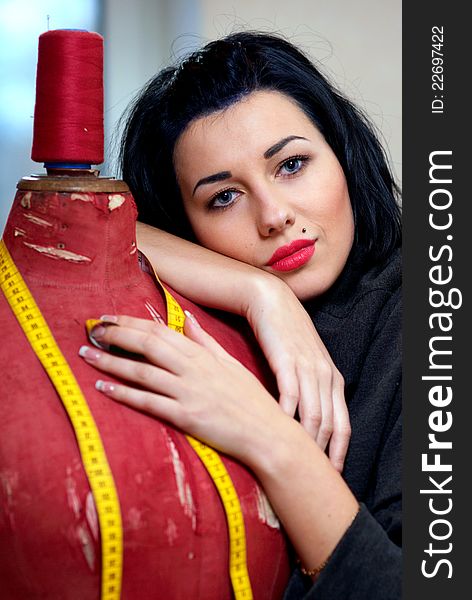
[[274, 216]]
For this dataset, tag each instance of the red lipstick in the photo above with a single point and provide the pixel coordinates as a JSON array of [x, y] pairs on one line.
[[292, 256]]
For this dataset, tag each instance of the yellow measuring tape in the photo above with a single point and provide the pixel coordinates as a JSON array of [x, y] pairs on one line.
[[90, 444], [216, 469]]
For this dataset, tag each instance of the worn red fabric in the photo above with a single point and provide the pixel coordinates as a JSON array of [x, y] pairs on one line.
[[78, 256]]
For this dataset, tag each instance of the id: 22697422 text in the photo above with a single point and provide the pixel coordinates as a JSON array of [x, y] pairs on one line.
[[437, 69]]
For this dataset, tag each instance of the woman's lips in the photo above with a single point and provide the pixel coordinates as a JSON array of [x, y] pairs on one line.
[[292, 256]]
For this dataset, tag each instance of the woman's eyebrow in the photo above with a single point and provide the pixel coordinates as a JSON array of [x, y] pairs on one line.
[[221, 176], [280, 144]]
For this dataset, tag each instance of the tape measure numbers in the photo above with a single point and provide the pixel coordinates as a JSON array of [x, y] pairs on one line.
[[90, 444], [237, 536]]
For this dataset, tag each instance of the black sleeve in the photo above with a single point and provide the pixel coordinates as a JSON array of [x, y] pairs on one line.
[[365, 565], [367, 562]]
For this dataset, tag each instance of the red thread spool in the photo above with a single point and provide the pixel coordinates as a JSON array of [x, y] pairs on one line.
[[68, 115]]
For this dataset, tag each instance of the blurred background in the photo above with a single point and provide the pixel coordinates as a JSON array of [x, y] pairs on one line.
[[357, 44]]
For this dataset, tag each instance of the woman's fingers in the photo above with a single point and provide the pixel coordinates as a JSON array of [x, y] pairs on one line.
[[308, 386], [311, 406], [325, 385], [339, 442], [217, 400], [160, 345], [154, 404], [145, 326], [134, 322], [186, 344], [324, 412], [151, 377], [287, 382]]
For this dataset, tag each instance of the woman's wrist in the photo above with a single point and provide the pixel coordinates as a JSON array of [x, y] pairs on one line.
[[310, 497], [275, 452], [262, 291]]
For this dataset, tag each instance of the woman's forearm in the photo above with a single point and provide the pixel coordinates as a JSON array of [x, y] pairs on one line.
[[203, 276], [309, 496]]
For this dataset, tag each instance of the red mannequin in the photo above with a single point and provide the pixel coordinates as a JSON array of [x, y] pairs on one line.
[[77, 253]]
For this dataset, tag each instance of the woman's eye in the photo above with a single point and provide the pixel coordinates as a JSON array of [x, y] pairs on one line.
[[223, 199], [292, 165]]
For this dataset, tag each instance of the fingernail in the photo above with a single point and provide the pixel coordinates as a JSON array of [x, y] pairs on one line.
[[192, 317], [97, 332], [104, 386], [109, 318], [89, 353]]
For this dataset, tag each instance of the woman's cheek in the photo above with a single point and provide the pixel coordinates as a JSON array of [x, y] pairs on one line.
[[215, 236], [219, 231]]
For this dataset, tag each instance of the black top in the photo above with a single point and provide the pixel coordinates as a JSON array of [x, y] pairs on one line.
[[359, 320]]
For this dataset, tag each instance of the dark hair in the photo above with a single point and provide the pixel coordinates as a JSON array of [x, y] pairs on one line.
[[215, 77]]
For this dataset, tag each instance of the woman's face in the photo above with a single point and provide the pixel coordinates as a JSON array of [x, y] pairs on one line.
[[260, 184]]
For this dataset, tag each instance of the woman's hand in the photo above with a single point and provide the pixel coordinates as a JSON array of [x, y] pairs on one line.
[[192, 382], [306, 376], [197, 386]]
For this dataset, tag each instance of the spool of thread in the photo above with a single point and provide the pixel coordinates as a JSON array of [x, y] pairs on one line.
[[68, 115]]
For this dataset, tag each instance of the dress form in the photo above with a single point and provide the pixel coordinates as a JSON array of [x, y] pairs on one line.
[[175, 533], [71, 235]]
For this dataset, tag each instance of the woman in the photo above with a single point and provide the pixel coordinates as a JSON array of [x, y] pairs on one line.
[[248, 150]]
